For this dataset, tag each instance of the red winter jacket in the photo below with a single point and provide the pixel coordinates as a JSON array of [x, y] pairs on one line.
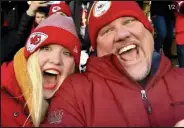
[[13, 112], [105, 96], [179, 26]]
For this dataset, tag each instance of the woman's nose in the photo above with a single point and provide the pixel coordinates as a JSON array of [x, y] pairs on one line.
[[56, 59]]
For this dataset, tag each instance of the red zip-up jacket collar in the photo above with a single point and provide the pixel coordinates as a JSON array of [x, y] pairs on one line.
[[116, 72]]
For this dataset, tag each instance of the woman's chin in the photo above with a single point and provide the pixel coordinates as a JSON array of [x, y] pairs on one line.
[[48, 94]]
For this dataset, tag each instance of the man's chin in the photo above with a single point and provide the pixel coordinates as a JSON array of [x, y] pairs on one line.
[[139, 76], [139, 71]]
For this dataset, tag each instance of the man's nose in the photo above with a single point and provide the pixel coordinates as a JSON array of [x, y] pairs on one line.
[[121, 34]]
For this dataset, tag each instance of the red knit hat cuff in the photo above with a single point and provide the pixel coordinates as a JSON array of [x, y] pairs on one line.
[[110, 18]]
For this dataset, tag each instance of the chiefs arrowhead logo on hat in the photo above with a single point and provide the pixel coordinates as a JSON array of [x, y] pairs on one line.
[[55, 9], [35, 40], [101, 7]]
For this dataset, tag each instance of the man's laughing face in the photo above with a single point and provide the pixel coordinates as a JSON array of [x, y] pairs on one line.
[[131, 42]]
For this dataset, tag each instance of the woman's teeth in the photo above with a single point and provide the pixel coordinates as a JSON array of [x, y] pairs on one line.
[[52, 72]]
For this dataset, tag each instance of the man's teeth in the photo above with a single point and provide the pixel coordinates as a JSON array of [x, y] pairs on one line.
[[124, 49], [52, 72]]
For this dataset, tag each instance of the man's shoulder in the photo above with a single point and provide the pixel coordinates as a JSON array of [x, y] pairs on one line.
[[75, 84], [80, 81], [7, 70], [178, 71], [175, 76], [80, 78]]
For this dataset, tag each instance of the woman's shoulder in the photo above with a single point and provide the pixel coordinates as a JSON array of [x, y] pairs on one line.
[[12, 111], [8, 79]]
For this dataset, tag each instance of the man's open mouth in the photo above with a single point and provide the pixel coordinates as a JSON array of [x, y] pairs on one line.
[[129, 53], [50, 78]]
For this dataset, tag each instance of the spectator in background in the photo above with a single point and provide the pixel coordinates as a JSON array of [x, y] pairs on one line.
[[80, 11], [27, 22], [37, 71], [13, 11], [13, 40], [61, 8], [162, 15], [40, 15], [180, 31], [28, 19]]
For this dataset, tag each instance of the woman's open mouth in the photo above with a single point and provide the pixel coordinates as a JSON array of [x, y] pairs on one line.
[[50, 78]]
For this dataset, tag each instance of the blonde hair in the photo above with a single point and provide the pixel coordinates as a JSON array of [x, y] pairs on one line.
[[35, 76]]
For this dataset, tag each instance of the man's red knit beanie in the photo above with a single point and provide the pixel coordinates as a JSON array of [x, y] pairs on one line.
[[104, 12]]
